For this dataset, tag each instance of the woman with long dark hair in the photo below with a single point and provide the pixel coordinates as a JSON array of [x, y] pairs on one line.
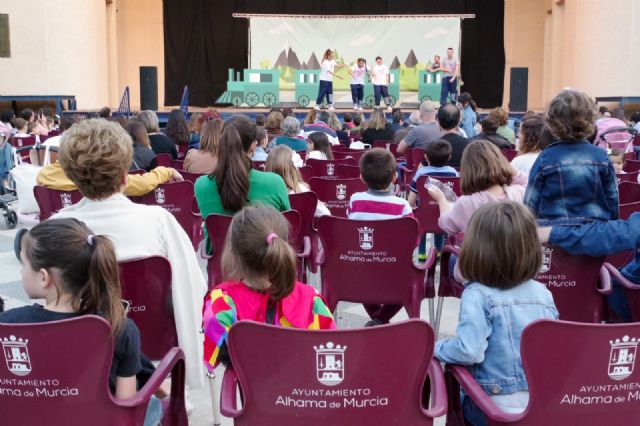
[[177, 128]]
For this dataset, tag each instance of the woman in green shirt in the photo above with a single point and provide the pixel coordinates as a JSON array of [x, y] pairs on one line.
[[235, 184]]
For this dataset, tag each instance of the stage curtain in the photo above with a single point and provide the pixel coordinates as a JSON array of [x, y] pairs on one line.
[[202, 40]]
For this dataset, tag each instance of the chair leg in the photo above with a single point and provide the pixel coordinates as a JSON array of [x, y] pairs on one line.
[[215, 384], [431, 312], [436, 327]]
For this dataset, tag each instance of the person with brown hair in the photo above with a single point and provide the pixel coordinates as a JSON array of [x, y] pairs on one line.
[[572, 181], [143, 156], [500, 259], [489, 133], [96, 155], [161, 144], [177, 128], [273, 124], [280, 161], [486, 177], [503, 121], [76, 273], [378, 128], [259, 269], [234, 183], [319, 147], [530, 143], [204, 160]]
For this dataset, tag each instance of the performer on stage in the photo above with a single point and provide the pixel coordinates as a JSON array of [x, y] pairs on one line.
[[435, 65], [358, 72], [326, 79], [450, 67], [380, 78]]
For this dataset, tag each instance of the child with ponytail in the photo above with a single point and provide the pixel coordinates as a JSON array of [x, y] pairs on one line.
[[76, 273], [259, 268]]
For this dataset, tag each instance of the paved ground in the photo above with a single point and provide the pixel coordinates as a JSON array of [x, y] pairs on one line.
[[349, 316]]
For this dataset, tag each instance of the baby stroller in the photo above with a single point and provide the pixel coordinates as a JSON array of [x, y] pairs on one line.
[[8, 156], [615, 134]]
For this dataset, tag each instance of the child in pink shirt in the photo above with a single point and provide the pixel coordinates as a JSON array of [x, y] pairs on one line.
[[486, 177]]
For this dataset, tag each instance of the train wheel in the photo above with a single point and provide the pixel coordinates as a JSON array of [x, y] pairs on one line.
[[370, 101], [269, 99], [304, 100], [426, 98], [236, 101], [392, 100], [252, 99]]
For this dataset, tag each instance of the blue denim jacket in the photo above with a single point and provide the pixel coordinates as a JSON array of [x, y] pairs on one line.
[[572, 183], [468, 123], [488, 334], [602, 238]]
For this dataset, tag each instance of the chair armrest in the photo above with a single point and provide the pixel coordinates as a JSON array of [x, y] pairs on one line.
[[429, 262], [228, 394], [202, 250], [473, 390], [306, 249], [615, 274], [172, 363], [605, 281], [320, 256], [438, 391], [455, 250]]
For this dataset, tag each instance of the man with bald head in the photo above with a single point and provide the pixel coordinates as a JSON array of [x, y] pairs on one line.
[[449, 119], [428, 130]]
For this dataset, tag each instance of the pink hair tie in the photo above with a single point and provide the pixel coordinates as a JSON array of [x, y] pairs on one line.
[[270, 237]]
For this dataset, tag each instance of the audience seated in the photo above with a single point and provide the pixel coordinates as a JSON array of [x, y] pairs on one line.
[[177, 129], [273, 124], [260, 154], [449, 119], [436, 157], [320, 125], [469, 119], [204, 160], [259, 268], [414, 120], [289, 137], [486, 177], [397, 119], [378, 128], [161, 144], [425, 132], [143, 156], [489, 128], [95, 155], [319, 146], [6, 128], [530, 143], [503, 119]]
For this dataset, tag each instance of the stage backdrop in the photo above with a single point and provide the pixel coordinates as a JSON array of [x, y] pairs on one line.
[[290, 44], [202, 40]]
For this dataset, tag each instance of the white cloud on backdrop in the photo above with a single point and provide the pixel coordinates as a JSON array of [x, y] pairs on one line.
[[436, 32], [362, 40], [284, 27]]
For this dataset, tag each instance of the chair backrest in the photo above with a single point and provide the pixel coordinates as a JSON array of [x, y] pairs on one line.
[[628, 177], [305, 203], [164, 160], [378, 256], [335, 193], [628, 192], [428, 211], [573, 281], [580, 373], [346, 171], [178, 164], [302, 154], [332, 376], [327, 168], [182, 150], [306, 172], [146, 285], [22, 141], [453, 183], [217, 227], [50, 201], [509, 154], [258, 165], [296, 237], [628, 209], [190, 177], [631, 166], [57, 373]]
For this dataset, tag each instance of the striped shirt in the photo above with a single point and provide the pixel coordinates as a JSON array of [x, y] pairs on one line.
[[378, 205]]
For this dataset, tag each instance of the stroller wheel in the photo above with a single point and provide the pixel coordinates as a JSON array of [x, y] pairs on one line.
[[11, 219]]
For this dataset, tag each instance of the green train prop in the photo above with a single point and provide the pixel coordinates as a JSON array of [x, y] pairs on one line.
[[429, 85], [256, 86]]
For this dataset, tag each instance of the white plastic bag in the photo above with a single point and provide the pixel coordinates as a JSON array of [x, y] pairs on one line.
[[24, 176]]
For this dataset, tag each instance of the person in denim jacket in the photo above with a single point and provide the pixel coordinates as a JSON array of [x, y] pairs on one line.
[[572, 181], [500, 257], [600, 239]]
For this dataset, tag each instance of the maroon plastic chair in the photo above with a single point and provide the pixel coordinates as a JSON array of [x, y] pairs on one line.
[[413, 158], [631, 289], [302, 154], [620, 259], [301, 243], [258, 165], [306, 172], [334, 377], [64, 369], [327, 168], [628, 177], [578, 374], [51, 201], [178, 199], [335, 193], [164, 160], [146, 286], [305, 203], [628, 192], [509, 154], [22, 141], [631, 166], [190, 177], [182, 150], [378, 256], [382, 143], [346, 171], [217, 228], [177, 164]]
